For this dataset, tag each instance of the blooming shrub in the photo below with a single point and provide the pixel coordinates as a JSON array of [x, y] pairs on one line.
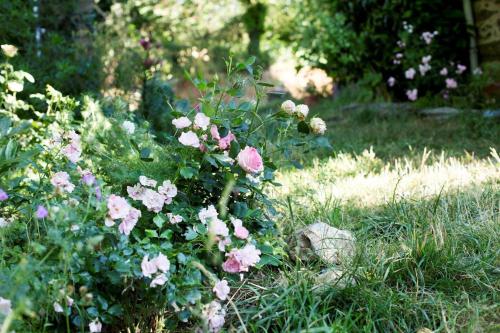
[[115, 230], [417, 71]]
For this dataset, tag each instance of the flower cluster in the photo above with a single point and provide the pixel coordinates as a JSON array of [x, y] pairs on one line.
[[153, 200], [159, 264], [120, 209], [318, 126], [412, 79]]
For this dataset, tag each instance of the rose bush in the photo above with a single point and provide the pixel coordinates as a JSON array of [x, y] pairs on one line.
[[416, 69], [104, 228]]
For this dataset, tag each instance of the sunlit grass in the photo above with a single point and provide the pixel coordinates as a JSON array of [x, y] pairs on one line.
[[427, 227], [365, 180]]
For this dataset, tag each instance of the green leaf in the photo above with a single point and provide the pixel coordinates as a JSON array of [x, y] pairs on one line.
[[159, 220], [167, 234], [151, 233], [190, 234], [115, 310], [268, 260], [187, 172]]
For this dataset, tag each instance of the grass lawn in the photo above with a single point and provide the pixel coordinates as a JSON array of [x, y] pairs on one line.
[[422, 198]]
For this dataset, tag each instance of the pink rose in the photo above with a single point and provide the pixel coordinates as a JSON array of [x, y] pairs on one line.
[[231, 265], [250, 160], [239, 230], [221, 289], [225, 142], [215, 132], [118, 207]]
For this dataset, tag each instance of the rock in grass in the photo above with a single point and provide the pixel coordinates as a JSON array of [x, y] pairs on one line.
[[326, 243], [332, 278]]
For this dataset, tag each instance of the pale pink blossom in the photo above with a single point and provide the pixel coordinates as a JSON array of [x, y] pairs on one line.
[[159, 280], [95, 326], [461, 69], [443, 71], [391, 81], [201, 121], [168, 189], [129, 222], [72, 152], [318, 126], [412, 94], [145, 181], [250, 160], [240, 260], [225, 142], [451, 83], [214, 132], [41, 212], [61, 181], [232, 264], [424, 68], [223, 243], [88, 177], [301, 111], [207, 214], [213, 314], [148, 267], [153, 200], [288, 107], [136, 192], [249, 256], [410, 73], [181, 122], [218, 228], [3, 195], [239, 230], [162, 262], [428, 36], [118, 207], [189, 139], [221, 289], [426, 59], [174, 219], [73, 137]]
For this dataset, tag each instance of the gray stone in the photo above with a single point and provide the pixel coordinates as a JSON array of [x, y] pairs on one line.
[[324, 242]]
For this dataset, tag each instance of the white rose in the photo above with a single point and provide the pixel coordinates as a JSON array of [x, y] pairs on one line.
[[201, 121], [301, 111], [189, 139], [318, 126], [288, 106], [181, 122], [9, 50]]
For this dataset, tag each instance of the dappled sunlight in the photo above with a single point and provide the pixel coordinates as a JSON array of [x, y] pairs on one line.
[[365, 180]]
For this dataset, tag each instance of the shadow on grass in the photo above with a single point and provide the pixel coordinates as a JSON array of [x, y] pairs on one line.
[[398, 135], [427, 263]]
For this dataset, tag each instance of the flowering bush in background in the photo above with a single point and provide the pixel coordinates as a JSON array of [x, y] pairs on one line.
[[115, 230], [417, 72]]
